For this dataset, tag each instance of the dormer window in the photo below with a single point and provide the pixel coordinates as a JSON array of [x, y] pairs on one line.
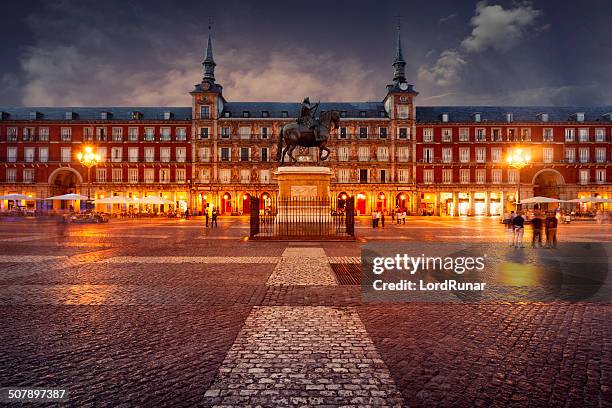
[[35, 115], [445, 117], [284, 114], [544, 117], [227, 114], [362, 114], [509, 117], [608, 116], [136, 115], [70, 115], [580, 116], [168, 115], [265, 114], [4, 115], [382, 114], [245, 114], [105, 115], [343, 114], [477, 117]]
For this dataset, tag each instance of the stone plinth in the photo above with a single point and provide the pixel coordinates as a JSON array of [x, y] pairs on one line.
[[304, 182]]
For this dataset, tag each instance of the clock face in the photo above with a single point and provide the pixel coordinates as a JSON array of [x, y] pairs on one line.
[[206, 86], [403, 86]]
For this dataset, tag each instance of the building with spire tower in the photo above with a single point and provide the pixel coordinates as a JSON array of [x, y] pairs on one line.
[[387, 154]]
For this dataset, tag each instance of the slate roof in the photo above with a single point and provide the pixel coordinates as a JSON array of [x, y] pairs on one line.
[[118, 113], [465, 114], [425, 114], [275, 109]]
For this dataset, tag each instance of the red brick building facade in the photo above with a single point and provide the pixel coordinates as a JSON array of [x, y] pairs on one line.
[[437, 160]]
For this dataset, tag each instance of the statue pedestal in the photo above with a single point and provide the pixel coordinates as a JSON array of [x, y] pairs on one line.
[[304, 182], [304, 194], [304, 208]]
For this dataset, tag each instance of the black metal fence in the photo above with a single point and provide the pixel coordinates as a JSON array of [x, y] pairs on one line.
[[302, 218]]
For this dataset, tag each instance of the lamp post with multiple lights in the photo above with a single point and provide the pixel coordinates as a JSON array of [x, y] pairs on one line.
[[88, 159], [518, 159]]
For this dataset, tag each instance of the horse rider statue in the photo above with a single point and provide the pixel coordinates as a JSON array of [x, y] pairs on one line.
[[307, 131], [308, 118]]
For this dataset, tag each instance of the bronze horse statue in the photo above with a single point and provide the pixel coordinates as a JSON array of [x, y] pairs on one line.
[[294, 135]]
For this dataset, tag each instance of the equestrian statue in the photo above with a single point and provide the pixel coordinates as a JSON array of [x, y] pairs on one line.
[[307, 131]]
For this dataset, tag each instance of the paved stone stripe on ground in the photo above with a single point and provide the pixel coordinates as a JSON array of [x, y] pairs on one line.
[[305, 266], [192, 259], [303, 356], [345, 259], [30, 258]]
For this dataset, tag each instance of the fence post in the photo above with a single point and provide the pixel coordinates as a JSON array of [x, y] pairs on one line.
[[254, 217], [350, 216]]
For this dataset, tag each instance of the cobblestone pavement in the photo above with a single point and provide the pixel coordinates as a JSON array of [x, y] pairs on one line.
[[155, 314], [303, 356]]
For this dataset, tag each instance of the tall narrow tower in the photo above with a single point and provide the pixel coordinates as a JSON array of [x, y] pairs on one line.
[[207, 106], [399, 105]]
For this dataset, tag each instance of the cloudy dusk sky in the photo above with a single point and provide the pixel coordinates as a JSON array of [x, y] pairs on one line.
[[149, 53]]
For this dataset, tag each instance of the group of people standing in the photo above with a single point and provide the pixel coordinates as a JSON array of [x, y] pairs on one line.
[[378, 218], [211, 213], [515, 226], [399, 215]]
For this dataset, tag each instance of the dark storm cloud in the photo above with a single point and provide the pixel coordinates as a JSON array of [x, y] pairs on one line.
[[149, 53]]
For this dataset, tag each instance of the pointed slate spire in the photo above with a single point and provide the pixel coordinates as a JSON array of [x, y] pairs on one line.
[[209, 62], [399, 64]]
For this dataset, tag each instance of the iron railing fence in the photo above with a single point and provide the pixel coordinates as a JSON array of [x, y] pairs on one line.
[[302, 218]]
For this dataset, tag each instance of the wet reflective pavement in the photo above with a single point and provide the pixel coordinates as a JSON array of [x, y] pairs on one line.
[[169, 313]]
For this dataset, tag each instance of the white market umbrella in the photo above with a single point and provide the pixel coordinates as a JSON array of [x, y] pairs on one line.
[[590, 200], [540, 200], [154, 200], [600, 200], [16, 197], [115, 200], [68, 197]]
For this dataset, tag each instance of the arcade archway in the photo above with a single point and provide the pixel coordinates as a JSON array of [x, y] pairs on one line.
[[64, 180], [341, 201], [381, 201], [226, 203], [360, 203], [402, 201], [547, 183], [246, 203]]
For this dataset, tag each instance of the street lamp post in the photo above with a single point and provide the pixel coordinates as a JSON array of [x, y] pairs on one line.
[[88, 159], [518, 159]]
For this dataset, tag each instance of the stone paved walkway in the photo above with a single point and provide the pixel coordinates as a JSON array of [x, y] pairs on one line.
[[295, 356], [188, 321], [303, 267]]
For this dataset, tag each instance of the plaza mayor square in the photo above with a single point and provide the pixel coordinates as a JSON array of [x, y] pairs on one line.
[[322, 204]]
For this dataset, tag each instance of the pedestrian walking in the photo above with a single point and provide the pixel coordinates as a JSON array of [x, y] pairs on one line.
[[536, 224], [382, 218], [374, 219], [206, 214], [518, 224], [215, 214], [510, 228], [550, 225]]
